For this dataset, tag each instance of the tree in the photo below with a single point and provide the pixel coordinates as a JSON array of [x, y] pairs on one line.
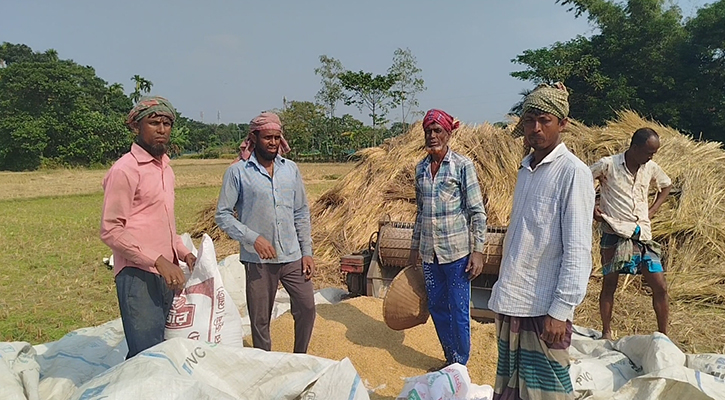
[[633, 62], [142, 85], [371, 92], [705, 55], [332, 91], [11, 53], [57, 110], [304, 124], [409, 82], [179, 140], [517, 108]]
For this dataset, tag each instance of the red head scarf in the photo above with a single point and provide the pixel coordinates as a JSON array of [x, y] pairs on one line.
[[440, 117]]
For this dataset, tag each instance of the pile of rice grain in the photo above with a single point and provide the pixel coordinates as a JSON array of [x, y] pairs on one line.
[[383, 357]]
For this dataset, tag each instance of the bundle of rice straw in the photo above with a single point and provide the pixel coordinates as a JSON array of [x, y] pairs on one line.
[[691, 225]]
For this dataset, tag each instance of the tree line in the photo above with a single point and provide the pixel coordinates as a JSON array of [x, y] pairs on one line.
[[644, 56], [57, 113]]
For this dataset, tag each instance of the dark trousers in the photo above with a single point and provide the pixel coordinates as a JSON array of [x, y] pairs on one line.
[[145, 302], [262, 281]]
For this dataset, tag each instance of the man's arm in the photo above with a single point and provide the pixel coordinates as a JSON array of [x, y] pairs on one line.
[[184, 253], [576, 234], [599, 170], [119, 188], [415, 242], [474, 206], [231, 192], [302, 216], [659, 200], [664, 184], [473, 203]]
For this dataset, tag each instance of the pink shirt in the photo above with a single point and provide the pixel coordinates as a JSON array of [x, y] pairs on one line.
[[137, 220]]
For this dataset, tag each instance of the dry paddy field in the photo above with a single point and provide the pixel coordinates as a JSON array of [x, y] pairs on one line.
[[52, 279]]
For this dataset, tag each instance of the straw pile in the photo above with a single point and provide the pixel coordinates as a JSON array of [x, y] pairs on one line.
[[691, 225], [383, 184], [382, 356]]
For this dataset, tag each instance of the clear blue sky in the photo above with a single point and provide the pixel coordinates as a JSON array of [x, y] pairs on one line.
[[241, 57]]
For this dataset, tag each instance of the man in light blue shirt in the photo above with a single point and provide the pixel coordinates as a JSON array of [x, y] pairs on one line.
[[273, 229]]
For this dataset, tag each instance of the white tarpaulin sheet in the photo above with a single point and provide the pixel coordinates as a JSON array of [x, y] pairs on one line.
[[89, 364], [642, 367]]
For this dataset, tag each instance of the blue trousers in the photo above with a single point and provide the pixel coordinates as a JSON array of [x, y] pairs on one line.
[[449, 298], [145, 302]]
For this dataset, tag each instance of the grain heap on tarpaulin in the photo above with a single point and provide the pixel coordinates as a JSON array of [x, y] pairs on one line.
[[690, 225], [381, 356]]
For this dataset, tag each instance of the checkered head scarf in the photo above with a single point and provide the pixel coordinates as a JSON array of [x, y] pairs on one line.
[[441, 118], [552, 99], [149, 105], [262, 122]]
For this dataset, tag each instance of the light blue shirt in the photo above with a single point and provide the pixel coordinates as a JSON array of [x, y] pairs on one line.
[[547, 252], [274, 207]]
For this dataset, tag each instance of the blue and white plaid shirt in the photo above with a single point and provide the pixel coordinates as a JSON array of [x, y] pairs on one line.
[[547, 252], [450, 210]]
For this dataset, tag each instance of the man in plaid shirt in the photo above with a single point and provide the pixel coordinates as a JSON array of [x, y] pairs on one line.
[[449, 231]]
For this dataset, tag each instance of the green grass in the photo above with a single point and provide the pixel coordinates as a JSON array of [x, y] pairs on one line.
[[53, 280]]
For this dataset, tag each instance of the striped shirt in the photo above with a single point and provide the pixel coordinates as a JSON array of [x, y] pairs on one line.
[[451, 220], [547, 257], [274, 207]]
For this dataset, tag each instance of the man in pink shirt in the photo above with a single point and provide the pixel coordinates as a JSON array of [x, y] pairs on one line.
[[137, 223]]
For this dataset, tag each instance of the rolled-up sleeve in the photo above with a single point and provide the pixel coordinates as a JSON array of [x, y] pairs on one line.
[[661, 177], [576, 264], [119, 188], [599, 168], [302, 216], [229, 198], [181, 250], [474, 205]]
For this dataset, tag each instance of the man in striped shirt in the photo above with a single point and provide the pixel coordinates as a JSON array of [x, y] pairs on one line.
[[449, 231], [546, 258]]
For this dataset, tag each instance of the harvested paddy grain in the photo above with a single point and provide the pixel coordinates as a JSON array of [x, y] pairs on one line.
[[383, 357]]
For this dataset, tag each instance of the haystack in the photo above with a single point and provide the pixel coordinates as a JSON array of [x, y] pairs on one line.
[[691, 225]]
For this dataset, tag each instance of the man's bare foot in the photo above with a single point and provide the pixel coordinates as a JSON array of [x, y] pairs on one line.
[[607, 335]]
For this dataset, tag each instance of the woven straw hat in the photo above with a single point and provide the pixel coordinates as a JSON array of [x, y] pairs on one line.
[[406, 302]]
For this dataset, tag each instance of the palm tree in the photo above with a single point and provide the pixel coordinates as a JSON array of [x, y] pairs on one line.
[[142, 85], [517, 108], [116, 87], [51, 55]]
